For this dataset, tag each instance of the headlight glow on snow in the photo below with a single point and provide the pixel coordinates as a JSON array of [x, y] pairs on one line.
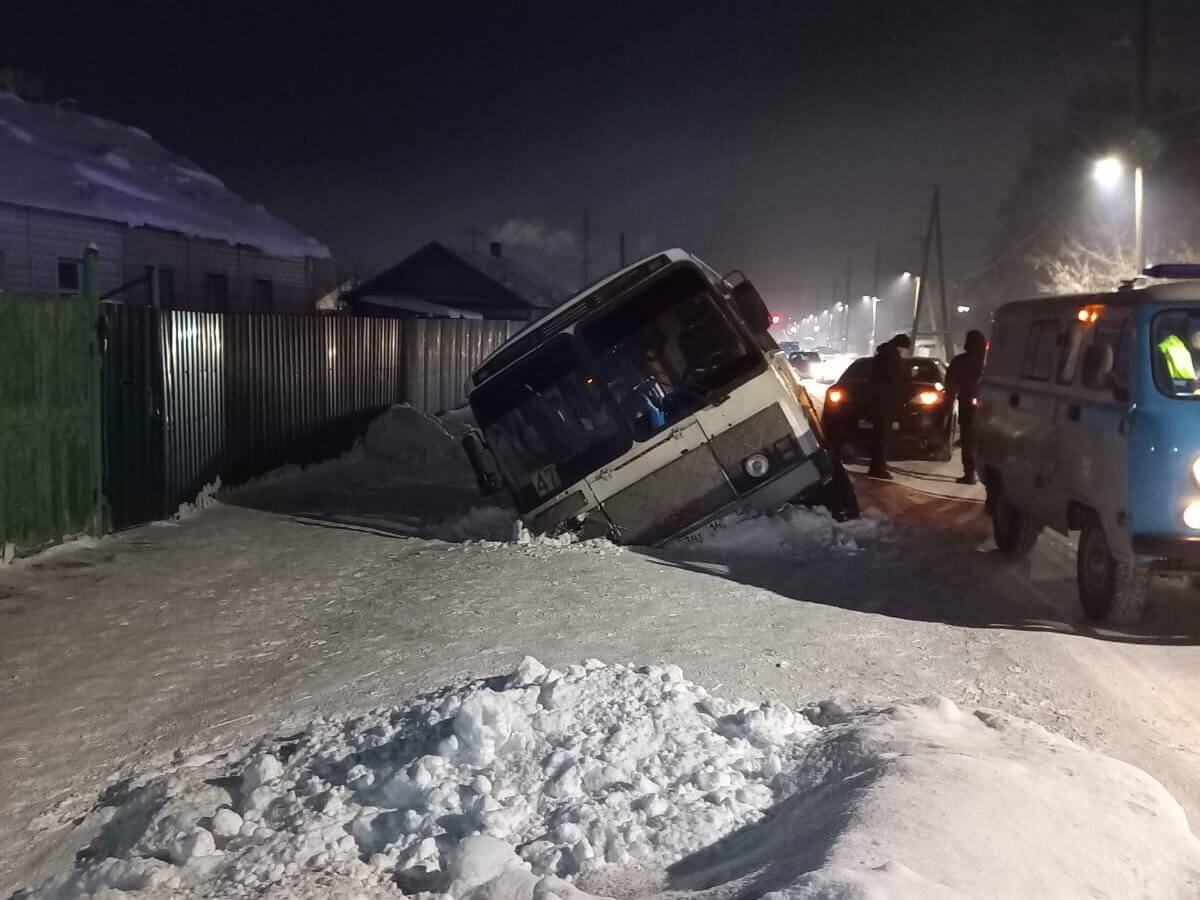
[[756, 465], [1191, 515]]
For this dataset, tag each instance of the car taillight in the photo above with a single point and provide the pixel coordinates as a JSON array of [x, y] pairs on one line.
[[835, 396], [929, 398]]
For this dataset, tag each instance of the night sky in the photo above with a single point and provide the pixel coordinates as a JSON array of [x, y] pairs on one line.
[[780, 138]]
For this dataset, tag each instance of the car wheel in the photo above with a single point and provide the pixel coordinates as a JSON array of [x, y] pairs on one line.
[[1014, 531], [1110, 589]]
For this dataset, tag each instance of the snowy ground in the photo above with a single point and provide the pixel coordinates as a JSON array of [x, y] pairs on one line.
[[338, 592]]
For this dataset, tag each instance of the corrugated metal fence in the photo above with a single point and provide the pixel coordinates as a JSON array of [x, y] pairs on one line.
[[49, 422], [193, 396]]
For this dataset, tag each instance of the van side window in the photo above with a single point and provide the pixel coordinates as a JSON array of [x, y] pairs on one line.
[[1041, 351], [1118, 334], [1069, 360], [1004, 354]]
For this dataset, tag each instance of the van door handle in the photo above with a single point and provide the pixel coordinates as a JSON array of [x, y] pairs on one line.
[[1073, 412], [1014, 399]]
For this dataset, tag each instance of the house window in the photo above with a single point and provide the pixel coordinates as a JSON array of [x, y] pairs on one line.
[[262, 295], [216, 292], [70, 277]]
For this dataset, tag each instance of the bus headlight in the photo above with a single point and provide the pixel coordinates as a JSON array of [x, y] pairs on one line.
[[1191, 515], [757, 465]]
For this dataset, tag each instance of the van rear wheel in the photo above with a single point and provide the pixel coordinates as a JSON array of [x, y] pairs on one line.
[[1110, 589], [1015, 533]]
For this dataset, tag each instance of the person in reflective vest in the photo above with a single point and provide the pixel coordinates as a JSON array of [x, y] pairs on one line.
[[1178, 356]]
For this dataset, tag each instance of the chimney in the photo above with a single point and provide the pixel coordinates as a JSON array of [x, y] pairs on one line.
[[494, 246]]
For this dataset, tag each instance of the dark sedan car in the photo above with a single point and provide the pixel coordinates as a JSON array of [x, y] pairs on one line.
[[927, 420]]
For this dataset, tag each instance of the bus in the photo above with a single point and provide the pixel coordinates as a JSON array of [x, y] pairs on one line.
[[648, 406]]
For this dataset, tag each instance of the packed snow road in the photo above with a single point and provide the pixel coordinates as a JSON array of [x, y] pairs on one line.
[[350, 588]]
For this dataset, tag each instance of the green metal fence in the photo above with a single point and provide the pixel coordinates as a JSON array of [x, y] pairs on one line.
[[50, 444]]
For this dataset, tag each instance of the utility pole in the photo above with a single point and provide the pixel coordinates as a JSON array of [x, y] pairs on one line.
[[587, 252], [1143, 104], [622, 250], [846, 324], [935, 226]]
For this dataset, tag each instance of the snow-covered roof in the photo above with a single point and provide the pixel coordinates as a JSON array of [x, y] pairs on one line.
[[527, 283], [420, 306], [60, 159], [509, 283]]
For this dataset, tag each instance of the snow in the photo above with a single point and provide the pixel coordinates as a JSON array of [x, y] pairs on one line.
[[787, 532], [60, 159], [564, 783]]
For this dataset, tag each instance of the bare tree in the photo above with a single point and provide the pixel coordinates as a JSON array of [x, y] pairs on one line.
[[1082, 268]]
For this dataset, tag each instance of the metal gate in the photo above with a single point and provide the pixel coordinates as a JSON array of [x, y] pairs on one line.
[[134, 437], [50, 447]]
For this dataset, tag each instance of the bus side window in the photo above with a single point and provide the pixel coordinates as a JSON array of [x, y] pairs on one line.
[[1069, 361]]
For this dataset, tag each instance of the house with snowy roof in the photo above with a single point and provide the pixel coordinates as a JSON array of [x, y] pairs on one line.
[[69, 180], [439, 281]]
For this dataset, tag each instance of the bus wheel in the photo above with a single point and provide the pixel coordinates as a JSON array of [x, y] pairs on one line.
[[1110, 589], [1015, 533], [838, 496]]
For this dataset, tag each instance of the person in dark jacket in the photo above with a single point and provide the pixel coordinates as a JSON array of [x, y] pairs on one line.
[[962, 382], [889, 383]]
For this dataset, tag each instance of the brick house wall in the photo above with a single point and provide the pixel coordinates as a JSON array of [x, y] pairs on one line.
[[201, 274]]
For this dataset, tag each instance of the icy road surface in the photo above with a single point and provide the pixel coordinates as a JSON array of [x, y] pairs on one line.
[[319, 600]]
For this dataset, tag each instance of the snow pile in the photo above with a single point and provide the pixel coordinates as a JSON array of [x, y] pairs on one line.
[[419, 445], [789, 531], [548, 784], [56, 158]]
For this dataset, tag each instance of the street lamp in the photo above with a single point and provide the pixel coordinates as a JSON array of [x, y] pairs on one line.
[[1107, 172], [916, 279], [874, 301]]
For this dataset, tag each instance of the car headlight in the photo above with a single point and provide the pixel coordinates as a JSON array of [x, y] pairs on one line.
[[757, 465], [1191, 515]]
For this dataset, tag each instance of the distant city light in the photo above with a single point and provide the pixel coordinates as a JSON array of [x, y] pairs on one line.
[[1108, 171]]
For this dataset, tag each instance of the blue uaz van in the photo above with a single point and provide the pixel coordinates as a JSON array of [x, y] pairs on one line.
[[1089, 421]]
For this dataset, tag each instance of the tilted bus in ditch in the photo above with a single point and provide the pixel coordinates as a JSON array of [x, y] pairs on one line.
[[647, 406]]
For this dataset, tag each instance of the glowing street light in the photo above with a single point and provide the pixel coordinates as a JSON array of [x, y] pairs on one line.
[[962, 310], [1108, 171]]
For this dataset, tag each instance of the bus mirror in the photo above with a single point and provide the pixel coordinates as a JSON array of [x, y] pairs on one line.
[[749, 302], [487, 474], [1097, 367]]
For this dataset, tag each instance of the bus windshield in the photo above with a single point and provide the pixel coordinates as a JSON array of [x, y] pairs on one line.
[[549, 422], [667, 351]]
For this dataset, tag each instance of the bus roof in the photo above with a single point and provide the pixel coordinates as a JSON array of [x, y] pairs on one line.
[[562, 311]]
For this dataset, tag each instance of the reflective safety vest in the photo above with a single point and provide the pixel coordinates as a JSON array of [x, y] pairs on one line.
[[1179, 358]]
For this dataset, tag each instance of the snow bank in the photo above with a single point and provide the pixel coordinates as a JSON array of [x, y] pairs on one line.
[[56, 158], [786, 532], [403, 436], [548, 783]]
